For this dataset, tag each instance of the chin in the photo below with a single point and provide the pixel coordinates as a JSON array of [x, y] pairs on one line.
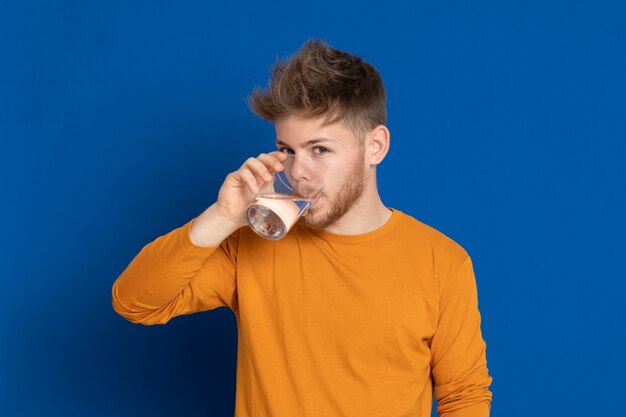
[[311, 220], [314, 218]]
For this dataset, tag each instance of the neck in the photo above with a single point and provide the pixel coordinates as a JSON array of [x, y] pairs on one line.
[[368, 214]]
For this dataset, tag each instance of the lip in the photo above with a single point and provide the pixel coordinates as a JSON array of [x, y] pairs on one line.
[[316, 201]]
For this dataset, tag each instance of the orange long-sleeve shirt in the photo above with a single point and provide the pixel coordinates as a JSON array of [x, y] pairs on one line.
[[329, 325]]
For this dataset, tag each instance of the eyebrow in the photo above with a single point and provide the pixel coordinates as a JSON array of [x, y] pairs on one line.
[[307, 143]]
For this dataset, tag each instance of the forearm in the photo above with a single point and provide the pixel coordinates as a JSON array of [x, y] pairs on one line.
[[458, 349], [210, 228], [481, 409], [160, 271]]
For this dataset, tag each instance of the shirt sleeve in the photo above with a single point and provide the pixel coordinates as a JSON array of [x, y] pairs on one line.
[[171, 276], [458, 351]]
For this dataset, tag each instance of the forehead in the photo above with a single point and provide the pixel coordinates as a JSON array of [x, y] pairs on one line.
[[297, 131]]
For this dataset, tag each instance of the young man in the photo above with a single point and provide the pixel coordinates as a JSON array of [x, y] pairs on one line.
[[360, 310]]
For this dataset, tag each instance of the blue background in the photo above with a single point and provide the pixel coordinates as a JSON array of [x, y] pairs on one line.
[[120, 119]]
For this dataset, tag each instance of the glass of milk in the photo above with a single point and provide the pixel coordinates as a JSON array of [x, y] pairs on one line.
[[281, 202]]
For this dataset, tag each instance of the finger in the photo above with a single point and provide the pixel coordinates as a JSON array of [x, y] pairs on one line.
[[279, 154], [247, 177], [259, 168], [273, 160]]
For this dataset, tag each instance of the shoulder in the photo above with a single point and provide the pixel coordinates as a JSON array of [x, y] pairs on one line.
[[429, 241]]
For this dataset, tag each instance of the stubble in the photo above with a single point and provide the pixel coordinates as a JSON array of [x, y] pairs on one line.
[[346, 197]]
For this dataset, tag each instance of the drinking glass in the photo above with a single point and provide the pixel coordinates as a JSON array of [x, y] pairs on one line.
[[281, 202]]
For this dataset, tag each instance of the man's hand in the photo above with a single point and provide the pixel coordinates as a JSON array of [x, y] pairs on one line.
[[237, 191]]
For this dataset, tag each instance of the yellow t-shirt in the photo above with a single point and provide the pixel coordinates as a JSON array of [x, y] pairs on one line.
[[329, 325]]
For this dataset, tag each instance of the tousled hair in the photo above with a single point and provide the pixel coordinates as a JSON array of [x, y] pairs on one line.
[[321, 81]]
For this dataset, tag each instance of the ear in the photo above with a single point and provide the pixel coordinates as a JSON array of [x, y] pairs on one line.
[[377, 144]]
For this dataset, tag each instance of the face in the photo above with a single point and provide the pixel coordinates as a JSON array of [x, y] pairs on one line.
[[331, 151]]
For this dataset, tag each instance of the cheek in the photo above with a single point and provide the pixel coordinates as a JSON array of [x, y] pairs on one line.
[[334, 174], [329, 193], [331, 183]]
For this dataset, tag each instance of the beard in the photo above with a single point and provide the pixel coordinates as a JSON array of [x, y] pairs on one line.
[[348, 193]]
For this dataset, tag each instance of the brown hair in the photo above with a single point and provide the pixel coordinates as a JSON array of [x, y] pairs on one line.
[[319, 80]]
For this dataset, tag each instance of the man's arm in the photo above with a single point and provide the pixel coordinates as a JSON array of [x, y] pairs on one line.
[[458, 351], [173, 276], [192, 268]]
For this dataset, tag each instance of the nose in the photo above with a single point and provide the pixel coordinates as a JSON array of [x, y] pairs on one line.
[[300, 169]]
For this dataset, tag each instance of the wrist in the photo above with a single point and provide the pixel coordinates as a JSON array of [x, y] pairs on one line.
[[211, 228]]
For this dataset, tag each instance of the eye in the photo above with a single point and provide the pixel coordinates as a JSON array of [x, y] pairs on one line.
[[287, 151], [320, 150]]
